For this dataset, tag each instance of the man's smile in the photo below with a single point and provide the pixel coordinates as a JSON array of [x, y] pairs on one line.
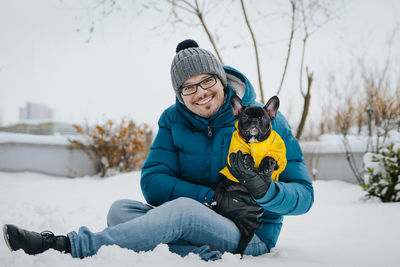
[[204, 101]]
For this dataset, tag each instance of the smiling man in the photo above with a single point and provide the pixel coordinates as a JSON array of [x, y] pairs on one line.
[[181, 173], [203, 94]]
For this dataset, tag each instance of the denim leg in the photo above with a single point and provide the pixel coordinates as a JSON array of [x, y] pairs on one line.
[[124, 210], [181, 220]]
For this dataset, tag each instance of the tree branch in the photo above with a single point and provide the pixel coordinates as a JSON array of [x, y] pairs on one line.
[[293, 4], [304, 48], [200, 16], [256, 52], [306, 107], [190, 5], [174, 4]]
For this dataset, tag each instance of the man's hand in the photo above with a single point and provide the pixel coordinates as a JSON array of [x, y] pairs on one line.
[[255, 182], [240, 208]]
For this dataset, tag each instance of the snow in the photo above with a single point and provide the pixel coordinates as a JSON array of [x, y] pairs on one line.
[[34, 139], [333, 143], [376, 161], [342, 229]]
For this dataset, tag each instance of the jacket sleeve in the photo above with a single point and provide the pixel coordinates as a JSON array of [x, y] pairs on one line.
[[160, 181], [294, 193]]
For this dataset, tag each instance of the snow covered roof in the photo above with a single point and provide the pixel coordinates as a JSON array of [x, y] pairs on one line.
[[33, 139], [331, 143]]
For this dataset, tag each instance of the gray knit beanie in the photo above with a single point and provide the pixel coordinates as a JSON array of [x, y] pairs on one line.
[[191, 60]]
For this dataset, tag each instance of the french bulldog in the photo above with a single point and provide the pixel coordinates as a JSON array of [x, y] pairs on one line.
[[254, 125]]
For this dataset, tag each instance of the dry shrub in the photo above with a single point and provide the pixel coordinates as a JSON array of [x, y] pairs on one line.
[[344, 117], [383, 107], [115, 147], [373, 105]]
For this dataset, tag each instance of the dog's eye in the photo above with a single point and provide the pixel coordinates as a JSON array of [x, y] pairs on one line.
[[245, 117]]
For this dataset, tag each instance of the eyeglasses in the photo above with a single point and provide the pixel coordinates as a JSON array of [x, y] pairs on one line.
[[204, 84]]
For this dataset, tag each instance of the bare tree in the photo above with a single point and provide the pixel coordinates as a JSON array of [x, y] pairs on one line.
[[378, 110], [292, 30], [192, 7], [306, 105], [104, 8], [256, 53], [344, 119], [314, 14]]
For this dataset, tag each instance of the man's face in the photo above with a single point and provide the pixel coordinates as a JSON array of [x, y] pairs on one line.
[[205, 102]]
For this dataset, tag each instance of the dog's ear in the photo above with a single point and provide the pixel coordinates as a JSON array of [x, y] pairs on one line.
[[272, 107], [236, 105]]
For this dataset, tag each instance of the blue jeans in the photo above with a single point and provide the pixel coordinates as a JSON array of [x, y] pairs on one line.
[[184, 224]]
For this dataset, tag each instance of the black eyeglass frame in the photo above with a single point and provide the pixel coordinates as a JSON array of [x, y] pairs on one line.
[[199, 84]]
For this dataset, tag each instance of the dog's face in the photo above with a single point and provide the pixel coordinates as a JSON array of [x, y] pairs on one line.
[[254, 122]]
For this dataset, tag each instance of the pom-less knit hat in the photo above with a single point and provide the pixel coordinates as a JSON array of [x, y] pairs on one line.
[[191, 60]]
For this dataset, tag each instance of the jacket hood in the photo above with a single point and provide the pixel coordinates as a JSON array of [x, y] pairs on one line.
[[238, 84]]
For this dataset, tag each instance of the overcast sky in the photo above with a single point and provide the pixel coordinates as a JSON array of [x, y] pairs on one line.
[[123, 70]]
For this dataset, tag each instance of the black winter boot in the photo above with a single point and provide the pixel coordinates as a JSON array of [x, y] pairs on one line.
[[34, 243]]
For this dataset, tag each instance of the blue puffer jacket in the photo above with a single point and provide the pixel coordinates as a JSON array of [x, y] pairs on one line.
[[189, 151]]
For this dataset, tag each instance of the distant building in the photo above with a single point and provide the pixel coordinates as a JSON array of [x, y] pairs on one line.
[[38, 119], [34, 111]]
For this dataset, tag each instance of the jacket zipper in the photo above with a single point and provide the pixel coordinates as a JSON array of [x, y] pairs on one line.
[[209, 141]]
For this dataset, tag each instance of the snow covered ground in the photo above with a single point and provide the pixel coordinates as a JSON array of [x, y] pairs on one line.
[[342, 229]]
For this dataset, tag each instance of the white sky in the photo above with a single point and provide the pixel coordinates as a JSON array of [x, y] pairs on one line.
[[124, 69]]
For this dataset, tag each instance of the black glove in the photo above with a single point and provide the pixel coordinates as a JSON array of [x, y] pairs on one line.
[[240, 208], [255, 182]]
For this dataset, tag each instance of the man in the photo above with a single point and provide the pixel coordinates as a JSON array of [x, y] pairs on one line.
[[181, 173]]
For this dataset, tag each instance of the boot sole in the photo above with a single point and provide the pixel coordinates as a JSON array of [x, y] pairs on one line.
[[5, 234]]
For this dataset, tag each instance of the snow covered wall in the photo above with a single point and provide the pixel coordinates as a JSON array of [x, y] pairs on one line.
[[326, 158], [51, 155], [331, 166]]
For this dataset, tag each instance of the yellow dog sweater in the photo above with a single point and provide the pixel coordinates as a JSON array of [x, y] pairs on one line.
[[273, 147]]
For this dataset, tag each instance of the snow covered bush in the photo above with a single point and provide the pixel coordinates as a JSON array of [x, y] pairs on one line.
[[382, 170], [114, 147]]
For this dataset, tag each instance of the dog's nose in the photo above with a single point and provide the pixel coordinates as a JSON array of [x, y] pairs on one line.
[[254, 131]]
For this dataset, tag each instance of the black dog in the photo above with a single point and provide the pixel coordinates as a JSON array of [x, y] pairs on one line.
[[253, 128]]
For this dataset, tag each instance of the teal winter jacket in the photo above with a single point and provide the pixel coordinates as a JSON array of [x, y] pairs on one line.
[[189, 151]]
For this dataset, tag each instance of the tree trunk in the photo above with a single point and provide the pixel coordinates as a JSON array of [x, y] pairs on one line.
[[306, 107], [256, 52], [289, 46], [200, 16]]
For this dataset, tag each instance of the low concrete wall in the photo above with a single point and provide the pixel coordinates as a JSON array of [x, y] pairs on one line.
[[326, 158], [52, 159], [332, 166], [54, 155]]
